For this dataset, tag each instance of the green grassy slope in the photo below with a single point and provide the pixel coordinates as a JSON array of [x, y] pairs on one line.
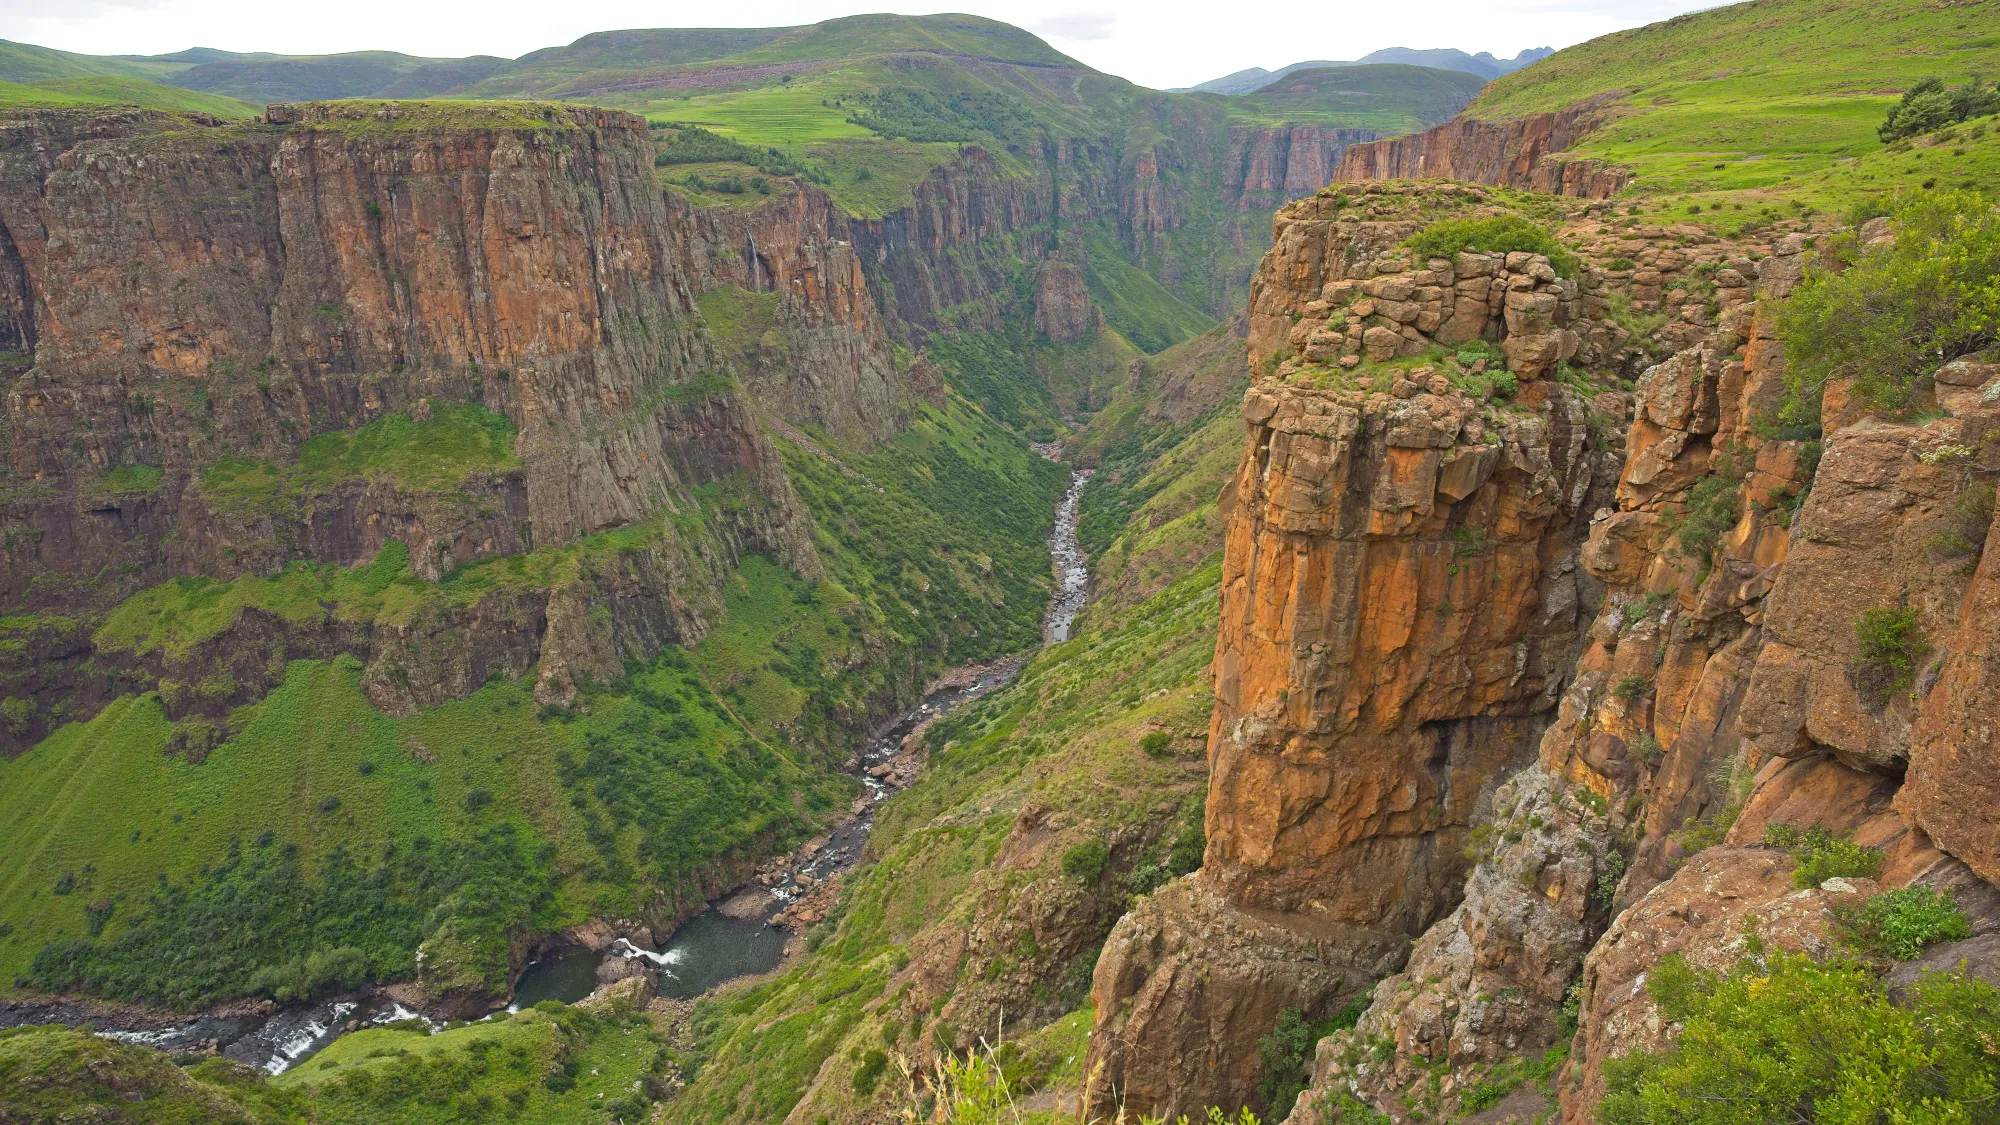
[[1061, 747], [730, 748], [594, 64], [89, 90], [355, 74], [1758, 103], [536, 1067], [1387, 98], [25, 62], [1064, 736]]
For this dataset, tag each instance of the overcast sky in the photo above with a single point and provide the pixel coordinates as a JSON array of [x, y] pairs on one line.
[[1160, 43]]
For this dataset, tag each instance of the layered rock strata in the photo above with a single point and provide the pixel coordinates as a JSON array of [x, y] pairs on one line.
[[824, 361], [1722, 690], [1401, 601], [199, 301], [1339, 286], [1519, 152]]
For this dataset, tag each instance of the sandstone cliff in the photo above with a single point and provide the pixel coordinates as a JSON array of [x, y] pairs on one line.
[[1524, 152], [196, 302], [1401, 600], [1720, 691], [828, 365]]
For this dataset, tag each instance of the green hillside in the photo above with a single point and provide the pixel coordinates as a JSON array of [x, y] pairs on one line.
[[603, 63], [1388, 98], [25, 62], [109, 90], [316, 77], [934, 546], [1768, 103]]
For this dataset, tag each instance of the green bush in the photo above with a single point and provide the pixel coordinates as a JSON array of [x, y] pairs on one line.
[[872, 1064], [1188, 847], [920, 115], [1631, 688], [1285, 1056], [1498, 234], [1901, 922], [1792, 1040], [1086, 861], [1892, 645], [1896, 313], [1343, 1108], [1713, 506], [1821, 855], [1927, 107], [1156, 743], [250, 914], [1966, 523]]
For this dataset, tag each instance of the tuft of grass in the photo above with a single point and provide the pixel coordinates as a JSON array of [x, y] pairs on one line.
[[1892, 646], [1498, 234]]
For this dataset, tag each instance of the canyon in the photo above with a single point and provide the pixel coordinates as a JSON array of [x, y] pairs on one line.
[[440, 537]]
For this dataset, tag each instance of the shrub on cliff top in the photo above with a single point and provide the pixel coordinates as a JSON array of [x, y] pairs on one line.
[[1498, 234], [1792, 1040], [1898, 312]]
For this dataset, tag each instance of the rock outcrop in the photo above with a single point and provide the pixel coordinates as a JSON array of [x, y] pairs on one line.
[[1709, 913], [1519, 152], [1280, 165], [1063, 311], [1722, 689], [1401, 602], [1339, 286]]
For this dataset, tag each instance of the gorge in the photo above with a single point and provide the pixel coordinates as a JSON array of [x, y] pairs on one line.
[[651, 623]]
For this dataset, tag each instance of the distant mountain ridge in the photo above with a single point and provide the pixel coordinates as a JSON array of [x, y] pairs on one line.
[[1483, 64]]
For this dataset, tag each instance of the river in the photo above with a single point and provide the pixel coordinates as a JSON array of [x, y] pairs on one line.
[[710, 949]]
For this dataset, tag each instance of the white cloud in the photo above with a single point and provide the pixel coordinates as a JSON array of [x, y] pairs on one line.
[[1076, 26], [14, 13]]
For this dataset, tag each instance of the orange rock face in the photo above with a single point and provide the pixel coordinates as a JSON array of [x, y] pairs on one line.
[[1400, 600], [1516, 152], [1953, 788], [1365, 610], [190, 292]]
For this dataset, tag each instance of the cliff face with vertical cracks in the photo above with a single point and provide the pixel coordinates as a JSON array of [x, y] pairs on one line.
[[1520, 152], [196, 302], [1280, 165], [1401, 602], [1720, 690], [829, 364]]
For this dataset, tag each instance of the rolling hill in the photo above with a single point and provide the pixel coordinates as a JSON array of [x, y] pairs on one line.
[[1483, 65], [88, 90], [1786, 117]]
